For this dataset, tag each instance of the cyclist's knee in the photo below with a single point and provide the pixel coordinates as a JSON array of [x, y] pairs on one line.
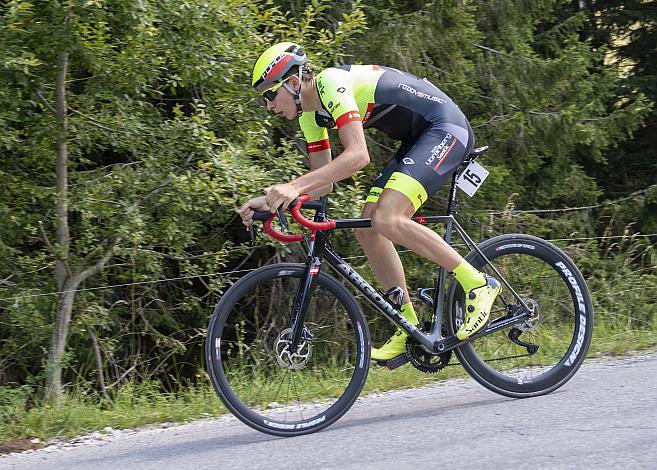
[[365, 235], [386, 222]]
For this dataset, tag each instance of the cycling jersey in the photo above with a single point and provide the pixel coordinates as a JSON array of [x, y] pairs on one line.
[[436, 135]]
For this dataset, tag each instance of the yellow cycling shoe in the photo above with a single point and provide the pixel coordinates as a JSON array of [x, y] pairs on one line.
[[396, 344], [477, 308]]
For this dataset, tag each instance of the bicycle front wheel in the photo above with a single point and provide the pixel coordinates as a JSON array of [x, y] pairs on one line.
[[252, 369], [559, 335]]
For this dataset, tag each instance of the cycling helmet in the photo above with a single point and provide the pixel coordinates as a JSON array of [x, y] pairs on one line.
[[274, 64]]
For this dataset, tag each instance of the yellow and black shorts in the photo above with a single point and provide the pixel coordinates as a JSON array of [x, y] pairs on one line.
[[420, 168]]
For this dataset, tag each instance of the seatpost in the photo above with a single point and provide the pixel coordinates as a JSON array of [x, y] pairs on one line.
[[451, 207]]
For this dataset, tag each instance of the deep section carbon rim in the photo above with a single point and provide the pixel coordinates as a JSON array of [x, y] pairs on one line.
[[551, 285], [259, 378]]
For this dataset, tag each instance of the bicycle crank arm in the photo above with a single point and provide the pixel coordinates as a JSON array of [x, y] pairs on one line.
[[452, 342], [392, 364]]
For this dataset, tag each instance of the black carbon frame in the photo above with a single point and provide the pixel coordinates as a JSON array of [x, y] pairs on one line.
[[434, 341]]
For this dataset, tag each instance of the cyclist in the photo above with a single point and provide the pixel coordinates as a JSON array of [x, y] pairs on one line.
[[435, 138]]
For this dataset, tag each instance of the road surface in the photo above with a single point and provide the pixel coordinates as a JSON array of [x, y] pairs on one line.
[[605, 417]]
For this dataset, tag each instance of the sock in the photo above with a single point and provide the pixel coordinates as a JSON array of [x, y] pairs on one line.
[[468, 277], [408, 312]]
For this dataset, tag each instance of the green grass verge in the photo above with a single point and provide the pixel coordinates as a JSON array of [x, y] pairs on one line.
[[138, 405]]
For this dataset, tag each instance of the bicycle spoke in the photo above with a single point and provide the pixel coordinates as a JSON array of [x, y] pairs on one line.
[[284, 386]]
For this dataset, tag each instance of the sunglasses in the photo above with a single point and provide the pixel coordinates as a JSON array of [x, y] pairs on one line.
[[270, 95]]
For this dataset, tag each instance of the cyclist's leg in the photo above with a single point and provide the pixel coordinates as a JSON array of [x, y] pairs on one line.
[[433, 159], [382, 256], [427, 166], [385, 263], [380, 251]]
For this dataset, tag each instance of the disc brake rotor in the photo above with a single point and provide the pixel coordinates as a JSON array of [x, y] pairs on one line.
[[285, 358]]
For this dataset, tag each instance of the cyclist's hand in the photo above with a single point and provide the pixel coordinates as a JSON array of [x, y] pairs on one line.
[[246, 210], [280, 196]]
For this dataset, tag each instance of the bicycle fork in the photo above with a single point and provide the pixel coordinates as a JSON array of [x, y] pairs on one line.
[[300, 331]]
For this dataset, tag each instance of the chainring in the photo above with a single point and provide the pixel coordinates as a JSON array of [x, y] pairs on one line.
[[422, 360]]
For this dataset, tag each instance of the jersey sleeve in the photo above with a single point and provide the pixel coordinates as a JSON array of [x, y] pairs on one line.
[[337, 95], [316, 136]]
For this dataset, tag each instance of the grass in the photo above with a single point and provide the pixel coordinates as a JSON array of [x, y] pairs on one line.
[[133, 406], [138, 405]]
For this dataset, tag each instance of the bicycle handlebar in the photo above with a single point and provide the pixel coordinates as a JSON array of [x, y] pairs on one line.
[[295, 208]]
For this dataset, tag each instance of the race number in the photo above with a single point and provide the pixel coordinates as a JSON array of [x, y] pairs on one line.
[[472, 178]]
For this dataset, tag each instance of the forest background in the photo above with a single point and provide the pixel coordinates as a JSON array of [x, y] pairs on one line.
[[129, 135]]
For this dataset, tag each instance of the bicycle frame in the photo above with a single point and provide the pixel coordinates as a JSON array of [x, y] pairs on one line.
[[320, 249]]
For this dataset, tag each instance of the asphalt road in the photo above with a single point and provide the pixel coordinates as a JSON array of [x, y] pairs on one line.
[[605, 417]]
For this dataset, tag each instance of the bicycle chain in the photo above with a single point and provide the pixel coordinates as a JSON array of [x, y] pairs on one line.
[[492, 360]]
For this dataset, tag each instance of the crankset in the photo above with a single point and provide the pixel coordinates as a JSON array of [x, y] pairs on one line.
[[418, 356], [423, 360]]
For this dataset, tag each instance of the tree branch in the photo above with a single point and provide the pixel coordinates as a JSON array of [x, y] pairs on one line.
[[100, 263], [99, 363], [46, 102], [51, 248], [105, 127]]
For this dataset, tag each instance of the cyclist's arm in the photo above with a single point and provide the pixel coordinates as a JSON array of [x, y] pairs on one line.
[[318, 160], [353, 158]]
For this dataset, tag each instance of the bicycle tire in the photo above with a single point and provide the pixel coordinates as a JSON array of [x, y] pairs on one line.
[[540, 271], [250, 358]]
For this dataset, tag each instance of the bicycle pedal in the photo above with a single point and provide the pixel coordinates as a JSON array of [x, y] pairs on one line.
[[392, 364]]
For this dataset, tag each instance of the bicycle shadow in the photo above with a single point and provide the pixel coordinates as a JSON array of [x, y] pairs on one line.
[[436, 411], [150, 453]]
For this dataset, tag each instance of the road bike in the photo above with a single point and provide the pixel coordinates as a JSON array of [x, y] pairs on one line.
[[288, 346]]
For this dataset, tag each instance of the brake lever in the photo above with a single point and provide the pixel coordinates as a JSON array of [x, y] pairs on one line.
[[253, 232], [282, 218]]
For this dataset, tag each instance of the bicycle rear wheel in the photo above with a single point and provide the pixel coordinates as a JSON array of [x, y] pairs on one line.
[[548, 281], [252, 369]]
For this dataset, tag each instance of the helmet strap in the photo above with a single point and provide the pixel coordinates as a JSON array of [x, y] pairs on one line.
[[296, 95]]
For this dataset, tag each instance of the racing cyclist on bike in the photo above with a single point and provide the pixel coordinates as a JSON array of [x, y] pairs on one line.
[[435, 139]]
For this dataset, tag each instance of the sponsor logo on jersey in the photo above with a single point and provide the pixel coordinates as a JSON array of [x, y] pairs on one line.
[[421, 94], [320, 86], [408, 161], [439, 150], [341, 89], [318, 146], [348, 116], [368, 112], [375, 192], [330, 104]]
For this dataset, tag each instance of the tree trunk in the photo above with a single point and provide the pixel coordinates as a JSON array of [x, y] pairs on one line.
[[65, 302], [63, 236]]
